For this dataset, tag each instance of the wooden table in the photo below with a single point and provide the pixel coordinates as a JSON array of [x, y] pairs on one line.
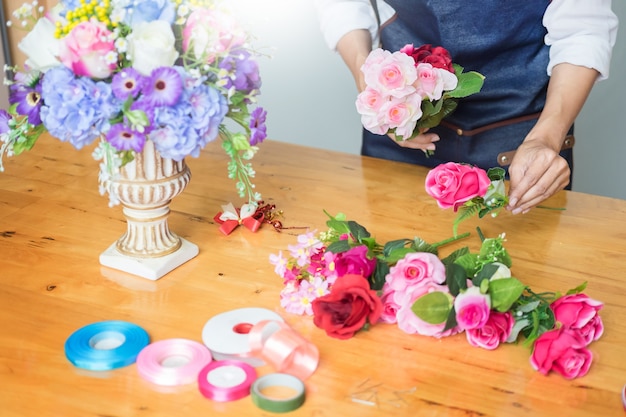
[[54, 224]]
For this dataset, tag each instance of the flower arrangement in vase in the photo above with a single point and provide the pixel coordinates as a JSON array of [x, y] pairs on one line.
[[152, 82]]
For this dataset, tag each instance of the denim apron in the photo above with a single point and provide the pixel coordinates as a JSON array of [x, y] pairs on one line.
[[503, 40]]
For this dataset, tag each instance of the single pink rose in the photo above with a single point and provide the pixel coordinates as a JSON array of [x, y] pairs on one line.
[[414, 270], [391, 74], [210, 33], [84, 50], [402, 114], [408, 322], [453, 184], [579, 313], [472, 308], [495, 331], [563, 351], [390, 307], [355, 262]]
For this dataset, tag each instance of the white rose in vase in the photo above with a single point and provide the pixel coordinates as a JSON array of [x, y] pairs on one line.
[[40, 46], [151, 45]]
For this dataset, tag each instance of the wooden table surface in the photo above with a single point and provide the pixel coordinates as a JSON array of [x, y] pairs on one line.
[[54, 224]]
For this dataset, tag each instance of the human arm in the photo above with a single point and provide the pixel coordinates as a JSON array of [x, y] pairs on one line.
[[581, 35]]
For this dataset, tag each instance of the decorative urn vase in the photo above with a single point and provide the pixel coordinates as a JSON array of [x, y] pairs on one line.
[[145, 187]]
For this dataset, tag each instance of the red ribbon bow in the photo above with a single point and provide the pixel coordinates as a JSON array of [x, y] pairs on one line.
[[248, 216]]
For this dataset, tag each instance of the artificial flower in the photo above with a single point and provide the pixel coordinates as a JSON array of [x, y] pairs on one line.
[[405, 282], [411, 90], [122, 73]]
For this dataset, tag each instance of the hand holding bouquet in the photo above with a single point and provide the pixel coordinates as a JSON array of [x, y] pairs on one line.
[[412, 90]]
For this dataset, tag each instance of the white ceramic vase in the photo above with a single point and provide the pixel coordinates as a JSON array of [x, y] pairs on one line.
[[145, 188]]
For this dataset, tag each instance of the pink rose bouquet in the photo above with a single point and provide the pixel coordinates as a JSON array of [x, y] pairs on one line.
[[349, 282], [411, 90], [120, 73], [469, 190]]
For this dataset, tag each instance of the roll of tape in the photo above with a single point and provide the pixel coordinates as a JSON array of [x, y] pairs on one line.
[[282, 347], [226, 334], [172, 361], [226, 380], [282, 404], [105, 345]]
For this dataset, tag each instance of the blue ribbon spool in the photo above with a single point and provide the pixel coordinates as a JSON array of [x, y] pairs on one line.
[[105, 345]]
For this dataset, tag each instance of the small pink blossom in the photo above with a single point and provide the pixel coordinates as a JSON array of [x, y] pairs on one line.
[[495, 331], [390, 307], [280, 263], [472, 308]]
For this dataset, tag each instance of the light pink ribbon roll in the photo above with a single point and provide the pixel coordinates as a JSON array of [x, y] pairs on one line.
[[282, 347], [172, 361]]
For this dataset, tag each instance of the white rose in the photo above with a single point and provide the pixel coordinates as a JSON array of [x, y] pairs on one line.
[[151, 45], [502, 272], [40, 46]]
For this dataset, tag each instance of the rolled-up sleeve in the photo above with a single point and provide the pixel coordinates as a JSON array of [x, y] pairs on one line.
[[581, 32], [338, 17]]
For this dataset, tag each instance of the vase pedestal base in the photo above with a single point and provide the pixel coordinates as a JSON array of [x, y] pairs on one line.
[[150, 268]]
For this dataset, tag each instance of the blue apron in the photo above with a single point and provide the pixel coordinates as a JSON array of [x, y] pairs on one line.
[[503, 40]]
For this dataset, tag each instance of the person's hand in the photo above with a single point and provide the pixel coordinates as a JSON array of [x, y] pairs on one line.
[[536, 173], [424, 141]]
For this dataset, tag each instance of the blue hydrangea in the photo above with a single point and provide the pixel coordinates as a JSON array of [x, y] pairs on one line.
[[139, 11], [76, 110]]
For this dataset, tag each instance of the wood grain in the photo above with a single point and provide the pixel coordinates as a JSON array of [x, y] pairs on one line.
[[54, 224]]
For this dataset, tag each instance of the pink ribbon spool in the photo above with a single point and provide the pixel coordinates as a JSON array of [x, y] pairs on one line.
[[172, 361], [282, 347], [226, 380]]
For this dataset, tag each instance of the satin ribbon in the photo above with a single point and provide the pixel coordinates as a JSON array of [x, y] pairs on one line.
[[277, 405], [154, 362], [105, 345], [227, 380], [281, 346], [230, 217]]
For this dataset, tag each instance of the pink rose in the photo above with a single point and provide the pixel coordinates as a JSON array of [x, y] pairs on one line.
[[209, 33], [495, 331], [414, 270], [561, 350], [355, 261], [431, 82], [579, 313], [472, 308], [408, 322], [390, 73], [390, 307], [402, 114], [452, 184], [84, 50]]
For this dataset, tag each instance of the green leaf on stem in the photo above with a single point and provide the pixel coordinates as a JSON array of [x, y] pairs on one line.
[[433, 307], [456, 278], [504, 292]]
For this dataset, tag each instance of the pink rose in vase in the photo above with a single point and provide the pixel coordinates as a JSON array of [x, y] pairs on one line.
[[453, 184], [89, 50]]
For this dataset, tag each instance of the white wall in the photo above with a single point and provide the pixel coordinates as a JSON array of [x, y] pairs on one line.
[[309, 95]]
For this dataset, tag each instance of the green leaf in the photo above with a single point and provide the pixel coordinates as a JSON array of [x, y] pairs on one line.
[[465, 212], [397, 254], [455, 255], [456, 279], [578, 289], [420, 245], [486, 272], [433, 307], [451, 321], [469, 262], [357, 231], [339, 246], [496, 174], [393, 245], [469, 83], [504, 292], [377, 279]]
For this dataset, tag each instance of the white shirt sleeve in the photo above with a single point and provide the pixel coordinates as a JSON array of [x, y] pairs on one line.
[[338, 17], [581, 32]]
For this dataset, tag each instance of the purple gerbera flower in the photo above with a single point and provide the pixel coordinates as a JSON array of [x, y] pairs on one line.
[[127, 83], [28, 101], [164, 87], [258, 129], [123, 138], [4, 121]]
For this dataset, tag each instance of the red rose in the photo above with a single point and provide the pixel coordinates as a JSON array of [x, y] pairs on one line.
[[561, 350], [579, 313], [453, 184], [438, 56], [347, 308]]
